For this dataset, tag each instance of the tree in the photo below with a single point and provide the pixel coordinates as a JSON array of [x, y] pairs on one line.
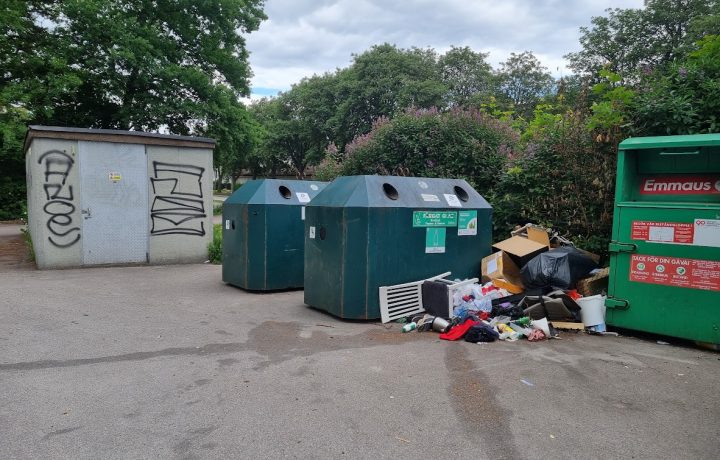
[[627, 40], [235, 132], [383, 82], [130, 64], [34, 81], [467, 76], [147, 64], [523, 81], [264, 159]]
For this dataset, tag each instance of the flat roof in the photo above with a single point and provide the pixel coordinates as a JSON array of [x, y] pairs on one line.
[[115, 135]]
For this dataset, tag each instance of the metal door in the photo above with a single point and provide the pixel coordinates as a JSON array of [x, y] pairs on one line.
[[114, 188], [665, 272]]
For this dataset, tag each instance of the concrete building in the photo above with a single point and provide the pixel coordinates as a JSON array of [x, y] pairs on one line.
[[98, 196]]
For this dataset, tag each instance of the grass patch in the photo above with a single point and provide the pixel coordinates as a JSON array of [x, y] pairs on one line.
[[28, 244], [215, 247], [217, 209]]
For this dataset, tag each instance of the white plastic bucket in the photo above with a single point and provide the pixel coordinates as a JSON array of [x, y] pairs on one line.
[[592, 311]]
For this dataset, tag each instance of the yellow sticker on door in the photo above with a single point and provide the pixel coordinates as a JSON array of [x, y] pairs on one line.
[[114, 177]]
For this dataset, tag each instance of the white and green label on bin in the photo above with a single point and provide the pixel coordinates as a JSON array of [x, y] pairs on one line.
[[435, 218], [467, 223], [435, 240]]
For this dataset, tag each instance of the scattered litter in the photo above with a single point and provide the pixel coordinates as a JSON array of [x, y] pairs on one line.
[[552, 436], [535, 284], [530, 384], [660, 342], [402, 439], [681, 375]]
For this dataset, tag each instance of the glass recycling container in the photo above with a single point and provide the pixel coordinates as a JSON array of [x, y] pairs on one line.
[[363, 232], [263, 243]]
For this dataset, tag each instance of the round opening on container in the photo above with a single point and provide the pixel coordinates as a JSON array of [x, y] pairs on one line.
[[461, 193], [285, 192], [323, 233], [390, 191]]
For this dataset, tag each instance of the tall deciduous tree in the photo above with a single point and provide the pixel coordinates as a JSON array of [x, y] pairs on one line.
[[384, 81], [523, 81], [146, 64], [626, 40], [128, 64], [236, 132], [467, 76]]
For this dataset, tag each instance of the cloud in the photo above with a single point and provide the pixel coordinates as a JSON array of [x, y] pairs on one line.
[[306, 37]]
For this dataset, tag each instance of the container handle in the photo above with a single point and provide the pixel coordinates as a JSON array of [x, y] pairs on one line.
[[689, 152]]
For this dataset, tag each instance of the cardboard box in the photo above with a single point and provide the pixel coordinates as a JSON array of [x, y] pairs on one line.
[[596, 284], [499, 265], [520, 250], [539, 235], [508, 286]]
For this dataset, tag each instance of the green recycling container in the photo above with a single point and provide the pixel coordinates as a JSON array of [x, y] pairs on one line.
[[665, 247], [263, 241], [363, 232]]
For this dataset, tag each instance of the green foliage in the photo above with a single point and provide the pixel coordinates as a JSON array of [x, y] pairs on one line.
[[563, 180], [610, 113], [12, 164], [330, 167], [236, 132], [626, 40], [522, 81], [147, 65], [686, 98], [27, 239], [467, 76], [383, 82], [215, 249], [460, 143]]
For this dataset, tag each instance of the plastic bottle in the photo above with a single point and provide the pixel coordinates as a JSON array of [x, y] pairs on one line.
[[409, 327]]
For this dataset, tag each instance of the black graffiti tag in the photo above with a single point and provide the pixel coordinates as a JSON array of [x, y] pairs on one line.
[[178, 207], [59, 197]]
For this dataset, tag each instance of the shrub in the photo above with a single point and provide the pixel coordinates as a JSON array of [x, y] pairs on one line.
[[465, 144], [564, 180], [215, 249]]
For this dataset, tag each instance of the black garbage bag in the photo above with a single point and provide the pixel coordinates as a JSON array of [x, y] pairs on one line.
[[559, 268], [481, 333], [507, 309]]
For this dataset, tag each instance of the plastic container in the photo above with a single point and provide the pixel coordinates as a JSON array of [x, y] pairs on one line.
[[592, 311]]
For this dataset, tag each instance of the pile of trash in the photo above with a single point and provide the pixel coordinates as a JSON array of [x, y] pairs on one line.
[[535, 284]]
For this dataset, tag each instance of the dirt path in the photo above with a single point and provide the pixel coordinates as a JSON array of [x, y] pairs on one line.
[[13, 253]]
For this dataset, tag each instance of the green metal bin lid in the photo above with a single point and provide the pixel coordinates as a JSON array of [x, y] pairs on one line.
[[276, 191], [655, 142], [400, 192]]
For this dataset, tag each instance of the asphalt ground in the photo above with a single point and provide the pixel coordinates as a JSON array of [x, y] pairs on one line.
[[169, 362]]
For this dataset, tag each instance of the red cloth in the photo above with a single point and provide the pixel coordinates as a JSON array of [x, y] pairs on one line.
[[459, 331]]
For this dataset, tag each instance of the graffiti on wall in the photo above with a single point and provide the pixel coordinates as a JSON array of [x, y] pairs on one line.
[[178, 207], [59, 198]]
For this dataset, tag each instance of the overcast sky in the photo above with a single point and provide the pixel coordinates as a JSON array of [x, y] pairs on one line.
[[306, 37]]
